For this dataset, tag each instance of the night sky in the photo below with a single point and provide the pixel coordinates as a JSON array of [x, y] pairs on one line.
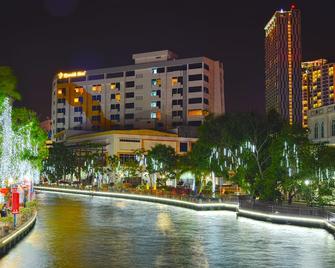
[[39, 38]]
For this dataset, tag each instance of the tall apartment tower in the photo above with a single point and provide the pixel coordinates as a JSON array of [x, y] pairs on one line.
[[283, 65], [159, 91], [318, 81]]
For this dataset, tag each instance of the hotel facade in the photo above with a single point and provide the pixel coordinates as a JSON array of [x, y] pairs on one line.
[[283, 65], [318, 81], [158, 91]]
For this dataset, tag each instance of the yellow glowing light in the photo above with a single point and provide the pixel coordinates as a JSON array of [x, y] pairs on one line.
[[60, 92], [174, 81], [76, 100], [113, 85], [62, 75], [118, 97]]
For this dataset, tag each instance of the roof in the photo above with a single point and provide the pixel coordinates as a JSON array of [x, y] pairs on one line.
[[143, 132]]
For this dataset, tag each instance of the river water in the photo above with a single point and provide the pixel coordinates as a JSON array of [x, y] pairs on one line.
[[81, 231]]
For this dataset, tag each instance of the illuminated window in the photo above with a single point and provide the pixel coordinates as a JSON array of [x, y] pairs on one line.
[[154, 70], [154, 93], [113, 85], [197, 112], [96, 88], [153, 115], [156, 82], [79, 90], [174, 81], [153, 104], [59, 91], [118, 97], [76, 100]]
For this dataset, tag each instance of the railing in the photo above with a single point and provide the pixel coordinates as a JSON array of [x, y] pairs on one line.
[[291, 210], [189, 197]]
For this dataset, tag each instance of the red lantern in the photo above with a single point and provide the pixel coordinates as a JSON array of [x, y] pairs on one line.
[[15, 203]]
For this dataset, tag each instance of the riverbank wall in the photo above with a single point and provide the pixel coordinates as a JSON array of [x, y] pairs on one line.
[[305, 221], [9, 241]]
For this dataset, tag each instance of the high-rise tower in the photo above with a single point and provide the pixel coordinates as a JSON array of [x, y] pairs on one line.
[[283, 65]]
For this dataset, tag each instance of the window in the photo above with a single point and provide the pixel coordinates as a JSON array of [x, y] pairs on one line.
[[129, 116], [154, 93], [177, 102], [176, 124], [194, 123], [153, 115], [316, 131], [155, 104], [158, 70], [118, 97], [156, 82], [115, 106], [197, 112], [78, 119], [154, 71], [130, 73], [115, 86], [61, 101], [96, 118], [129, 105], [174, 81], [128, 126], [176, 68], [61, 110], [78, 109], [76, 100], [130, 84], [333, 127], [129, 140], [96, 98], [79, 90], [114, 75], [96, 108], [177, 113], [177, 91], [112, 96], [115, 117], [61, 91], [322, 130], [206, 90], [130, 95], [195, 77], [195, 65], [206, 101], [96, 77], [81, 99], [60, 129], [124, 158], [195, 89], [183, 147], [96, 88], [61, 120], [206, 66], [205, 78], [194, 100]]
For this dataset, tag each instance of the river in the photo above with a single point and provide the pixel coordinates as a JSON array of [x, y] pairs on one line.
[[81, 231]]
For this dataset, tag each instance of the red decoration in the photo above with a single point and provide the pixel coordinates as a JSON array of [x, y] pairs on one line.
[[293, 6], [15, 203], [4, 191]]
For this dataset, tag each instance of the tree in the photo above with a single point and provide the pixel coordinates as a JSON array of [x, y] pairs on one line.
[[162, 160], [8, 84]]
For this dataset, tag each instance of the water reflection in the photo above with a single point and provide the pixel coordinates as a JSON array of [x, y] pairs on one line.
[[81, 231]]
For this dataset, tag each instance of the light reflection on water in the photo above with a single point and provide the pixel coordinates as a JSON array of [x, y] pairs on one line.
[[81, 231]]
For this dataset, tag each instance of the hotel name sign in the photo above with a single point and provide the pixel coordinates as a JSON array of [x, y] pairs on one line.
[[72, 74]]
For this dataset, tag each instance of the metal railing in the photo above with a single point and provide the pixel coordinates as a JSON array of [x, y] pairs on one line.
[[292, 210]]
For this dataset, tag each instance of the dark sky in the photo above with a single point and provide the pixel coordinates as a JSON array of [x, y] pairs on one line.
[[41, 37]]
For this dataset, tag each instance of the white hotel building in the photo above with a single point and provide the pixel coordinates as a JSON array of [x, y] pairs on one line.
[[158, 91]]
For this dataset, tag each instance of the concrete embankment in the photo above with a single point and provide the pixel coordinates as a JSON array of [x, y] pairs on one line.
[[147, 198], [9, 241]]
